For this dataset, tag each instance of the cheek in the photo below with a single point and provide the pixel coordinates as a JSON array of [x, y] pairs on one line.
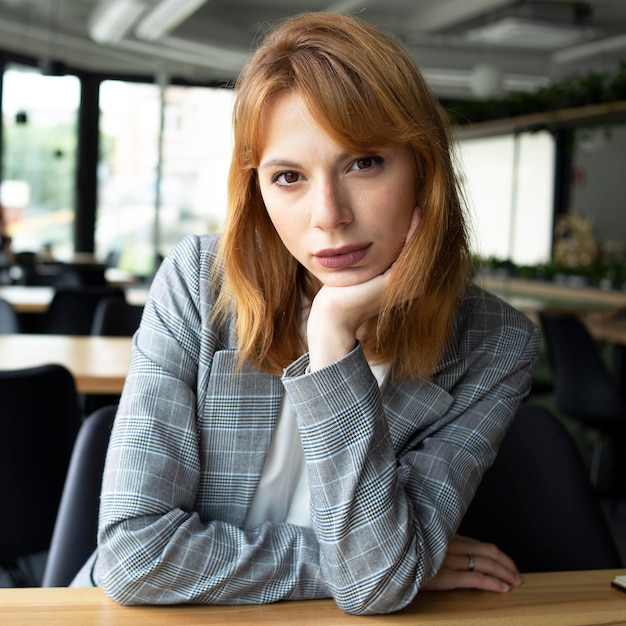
[[273, 212], [285, 226]]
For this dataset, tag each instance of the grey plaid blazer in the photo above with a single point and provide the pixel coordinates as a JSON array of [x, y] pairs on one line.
[[390, 475]]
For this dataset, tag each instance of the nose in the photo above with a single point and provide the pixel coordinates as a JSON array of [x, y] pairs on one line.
[[331, 206]]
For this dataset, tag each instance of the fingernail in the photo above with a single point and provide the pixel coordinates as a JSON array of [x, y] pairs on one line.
[[505, 587]]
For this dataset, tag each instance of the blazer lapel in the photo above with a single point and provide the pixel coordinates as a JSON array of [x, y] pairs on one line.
[[240, 413]]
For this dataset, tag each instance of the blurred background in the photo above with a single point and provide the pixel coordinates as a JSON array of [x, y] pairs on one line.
[[116, 117]]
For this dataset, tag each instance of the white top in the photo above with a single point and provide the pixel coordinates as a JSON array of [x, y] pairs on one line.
[[282, 494]]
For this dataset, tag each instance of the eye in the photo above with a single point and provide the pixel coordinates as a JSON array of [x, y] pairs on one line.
[[285, 179], [367, 163]]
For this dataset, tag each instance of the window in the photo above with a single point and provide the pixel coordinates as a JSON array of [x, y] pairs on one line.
[[189, 172], [39, 159], [509, 186]]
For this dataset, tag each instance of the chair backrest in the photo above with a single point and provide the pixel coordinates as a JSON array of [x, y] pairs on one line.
[[116, 318], [9, 321], [72, 310], [81, 275], [76, 527], [583, 387], [536, 501], [39, 421]]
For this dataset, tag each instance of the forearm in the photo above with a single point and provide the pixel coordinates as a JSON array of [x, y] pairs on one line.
[[389, 490], [169, 513], [177, 558], [363, 519]]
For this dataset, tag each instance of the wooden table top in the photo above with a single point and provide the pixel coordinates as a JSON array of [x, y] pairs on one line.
[[545, 295], [593, 305], [28, 299], [36, 299], [611, 331], [557, 599], [98, 364]]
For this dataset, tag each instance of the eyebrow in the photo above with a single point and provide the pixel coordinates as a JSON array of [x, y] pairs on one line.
[[279, 163]]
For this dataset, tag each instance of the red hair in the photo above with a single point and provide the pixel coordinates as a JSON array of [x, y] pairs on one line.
[[365, 91]]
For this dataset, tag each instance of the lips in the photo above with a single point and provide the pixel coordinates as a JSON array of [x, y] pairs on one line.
[[339, 258]]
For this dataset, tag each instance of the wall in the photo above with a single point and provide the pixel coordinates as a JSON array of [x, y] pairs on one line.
[[598, 188]]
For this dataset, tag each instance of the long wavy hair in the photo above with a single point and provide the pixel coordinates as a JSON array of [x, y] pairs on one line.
[[364, 89]]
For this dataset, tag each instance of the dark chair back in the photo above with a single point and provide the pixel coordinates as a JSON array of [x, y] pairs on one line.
[[39, 421], [116, 318], [9, 321], [81, 275], [584, 388], [72, 310], [536, 501], [76, 527], [585, 391]]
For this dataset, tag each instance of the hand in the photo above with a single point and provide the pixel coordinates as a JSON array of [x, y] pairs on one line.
[[337, 313], [493, 570]]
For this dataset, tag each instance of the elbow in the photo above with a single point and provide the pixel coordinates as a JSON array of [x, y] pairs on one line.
[[388, 594], [377, 605], [117, 584], [119, 596], [123, 580]]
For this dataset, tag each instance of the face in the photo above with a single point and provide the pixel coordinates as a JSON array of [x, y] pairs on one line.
[[343, 216]]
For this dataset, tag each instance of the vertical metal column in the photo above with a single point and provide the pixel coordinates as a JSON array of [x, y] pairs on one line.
[[162, 81], [87, 154]]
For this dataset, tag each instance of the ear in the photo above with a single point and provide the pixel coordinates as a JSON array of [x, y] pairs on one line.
[[415, 220]]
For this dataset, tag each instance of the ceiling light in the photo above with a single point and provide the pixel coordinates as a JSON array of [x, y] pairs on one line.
[[165, 17], [486, 80], [461, 80], [590, 49], [112, 19], [523, 33]]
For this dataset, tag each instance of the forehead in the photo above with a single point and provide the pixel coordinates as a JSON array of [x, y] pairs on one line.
[[286, 121]]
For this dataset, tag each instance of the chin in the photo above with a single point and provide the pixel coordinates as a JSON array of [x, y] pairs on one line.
[[345, 279]]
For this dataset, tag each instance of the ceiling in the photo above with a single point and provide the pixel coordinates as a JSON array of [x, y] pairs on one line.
[[465, 48]]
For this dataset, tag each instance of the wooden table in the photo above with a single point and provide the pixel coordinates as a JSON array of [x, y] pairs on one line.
[[98, 364], [28, 299], [613, 331], [36, 299], [536, 295], [555, 599], [591, 304]]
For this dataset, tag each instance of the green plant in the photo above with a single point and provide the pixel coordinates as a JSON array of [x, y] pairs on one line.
[[578, 90]]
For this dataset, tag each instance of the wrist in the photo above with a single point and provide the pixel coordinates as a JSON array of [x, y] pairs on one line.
[[327, 347]]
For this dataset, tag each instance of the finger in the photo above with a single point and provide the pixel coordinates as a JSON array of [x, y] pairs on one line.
[[413, 224], [468, 545], [484, 565], [447, 579]]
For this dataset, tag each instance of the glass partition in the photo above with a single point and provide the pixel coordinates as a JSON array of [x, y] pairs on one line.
[[509, 186], [187, 164], [39, 160]]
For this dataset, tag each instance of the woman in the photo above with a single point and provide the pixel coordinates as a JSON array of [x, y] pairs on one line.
[[315, 394]]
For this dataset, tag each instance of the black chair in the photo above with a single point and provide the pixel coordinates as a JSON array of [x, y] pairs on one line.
[[81, 275], [536, 502], [9, 321], [76, 527], [114, 317], [72, 310], [40, 419], [586, 391]]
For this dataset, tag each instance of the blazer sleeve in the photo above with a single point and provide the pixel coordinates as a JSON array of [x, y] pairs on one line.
[[390, 481], [154, 545]]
